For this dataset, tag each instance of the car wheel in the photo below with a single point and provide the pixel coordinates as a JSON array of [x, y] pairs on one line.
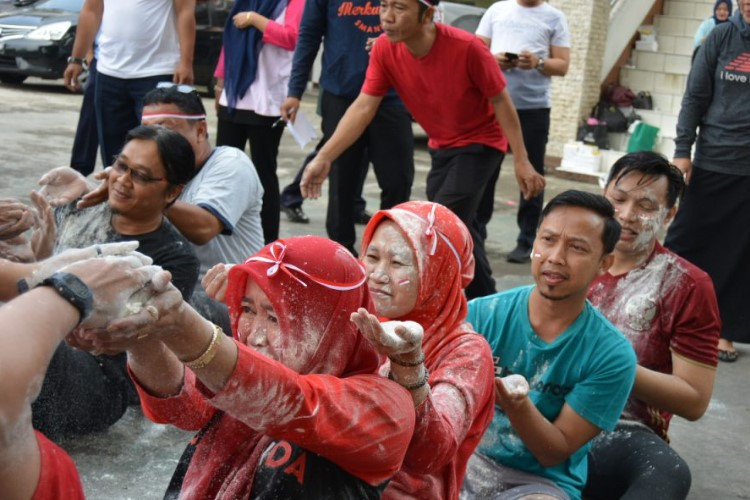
[[13, 79]]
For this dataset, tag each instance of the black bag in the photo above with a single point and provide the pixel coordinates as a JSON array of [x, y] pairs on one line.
[[643, 101], [620, 95], [610, 114], [595, 135]]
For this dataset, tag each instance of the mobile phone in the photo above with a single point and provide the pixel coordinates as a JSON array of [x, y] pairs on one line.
[[511, 56]]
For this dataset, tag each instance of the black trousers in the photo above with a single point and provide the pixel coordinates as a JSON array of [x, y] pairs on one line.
[[86, 141], [389, 144], [535, 130], [711, 231], [264, 142], [457, 179], [634, 463], [82, 393]]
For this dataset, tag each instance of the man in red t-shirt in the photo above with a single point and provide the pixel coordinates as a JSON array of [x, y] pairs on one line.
[[452, 85], [667, 308]]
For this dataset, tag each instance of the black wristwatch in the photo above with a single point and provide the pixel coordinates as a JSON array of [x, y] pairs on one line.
[[71, 288], [76, 60]]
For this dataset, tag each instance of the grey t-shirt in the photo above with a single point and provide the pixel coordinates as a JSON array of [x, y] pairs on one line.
[[513, 28], [228, 186]]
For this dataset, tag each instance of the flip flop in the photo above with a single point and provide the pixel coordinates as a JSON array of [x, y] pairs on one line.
[[728, 356]]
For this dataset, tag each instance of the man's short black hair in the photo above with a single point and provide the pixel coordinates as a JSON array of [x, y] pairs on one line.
[[188, 102], [175, 152], [593, 202], [652, 166]]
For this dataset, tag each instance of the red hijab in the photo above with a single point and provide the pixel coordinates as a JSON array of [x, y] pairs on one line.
[[313, 284], [443, 247]]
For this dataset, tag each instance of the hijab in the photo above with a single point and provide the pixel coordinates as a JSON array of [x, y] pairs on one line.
[[728, 3], [313, 284], [443, 249]]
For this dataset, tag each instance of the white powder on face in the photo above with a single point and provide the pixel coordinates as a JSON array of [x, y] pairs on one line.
[[516, 385], [650, 224]]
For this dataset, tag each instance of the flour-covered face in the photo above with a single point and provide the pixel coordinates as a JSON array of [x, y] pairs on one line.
[[641, 209], [392, 273], [258, 328]]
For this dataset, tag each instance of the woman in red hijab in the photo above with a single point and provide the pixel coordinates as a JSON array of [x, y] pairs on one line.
[[418, 257], [291, 406]]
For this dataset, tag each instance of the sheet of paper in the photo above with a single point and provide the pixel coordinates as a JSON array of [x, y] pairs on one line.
[[302, 130]]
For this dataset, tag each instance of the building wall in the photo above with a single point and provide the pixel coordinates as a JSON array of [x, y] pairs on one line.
[[574, 95]]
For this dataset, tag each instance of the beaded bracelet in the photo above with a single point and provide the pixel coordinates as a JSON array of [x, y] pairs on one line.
[[416, 385], [208, 355], [405, 363]]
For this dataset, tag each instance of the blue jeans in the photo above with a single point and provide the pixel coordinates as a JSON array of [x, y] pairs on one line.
[[119, 104]]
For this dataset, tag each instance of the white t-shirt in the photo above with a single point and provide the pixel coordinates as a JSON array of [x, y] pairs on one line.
[[228, 186], [137, 39], [513, 28]]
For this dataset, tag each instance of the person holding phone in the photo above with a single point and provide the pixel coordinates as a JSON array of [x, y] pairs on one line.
[[530, 41]]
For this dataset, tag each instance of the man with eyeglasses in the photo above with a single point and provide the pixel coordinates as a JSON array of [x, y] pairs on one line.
[[140, 43], [218, 210], [83, 392]]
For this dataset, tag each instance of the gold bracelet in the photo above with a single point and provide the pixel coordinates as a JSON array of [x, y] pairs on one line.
[[208, 355]]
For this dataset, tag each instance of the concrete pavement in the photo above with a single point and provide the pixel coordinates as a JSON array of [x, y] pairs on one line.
[[134, 459]]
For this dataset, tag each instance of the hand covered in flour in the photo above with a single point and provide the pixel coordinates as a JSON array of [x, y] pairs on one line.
[[55, 263], [99, 194], [15, 218], [17, 249], [164, 314], [113, 280], [401, 341], [62, 185], [45, 229], [215, 281], [511, 391]]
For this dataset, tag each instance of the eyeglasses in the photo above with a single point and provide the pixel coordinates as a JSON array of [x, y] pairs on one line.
[[179, 87], [138, 177]]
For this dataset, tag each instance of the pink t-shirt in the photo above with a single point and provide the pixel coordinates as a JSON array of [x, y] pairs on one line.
[[667, 305], [447, 91]]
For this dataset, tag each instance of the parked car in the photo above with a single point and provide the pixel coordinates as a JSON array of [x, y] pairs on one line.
[[460, 15], [37, 41]]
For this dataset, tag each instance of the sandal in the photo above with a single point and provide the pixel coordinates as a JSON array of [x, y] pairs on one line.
[[728, 356]]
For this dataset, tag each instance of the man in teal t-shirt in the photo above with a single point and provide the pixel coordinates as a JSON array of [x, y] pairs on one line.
[[579, 368]]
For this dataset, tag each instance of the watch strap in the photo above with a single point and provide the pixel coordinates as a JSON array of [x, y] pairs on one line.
[[74, 290], [76, 60]]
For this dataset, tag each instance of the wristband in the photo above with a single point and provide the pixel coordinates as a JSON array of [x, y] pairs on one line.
[[76, 60], [416, 385], [71, 288]]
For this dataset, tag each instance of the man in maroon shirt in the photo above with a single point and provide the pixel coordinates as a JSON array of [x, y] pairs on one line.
[[667, 308]]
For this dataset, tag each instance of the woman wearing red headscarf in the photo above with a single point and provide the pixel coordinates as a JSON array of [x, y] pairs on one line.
[[292, 406], [418, 257]]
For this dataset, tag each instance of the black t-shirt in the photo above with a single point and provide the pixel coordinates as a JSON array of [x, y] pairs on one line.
[[286, 471], [79, 228]]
